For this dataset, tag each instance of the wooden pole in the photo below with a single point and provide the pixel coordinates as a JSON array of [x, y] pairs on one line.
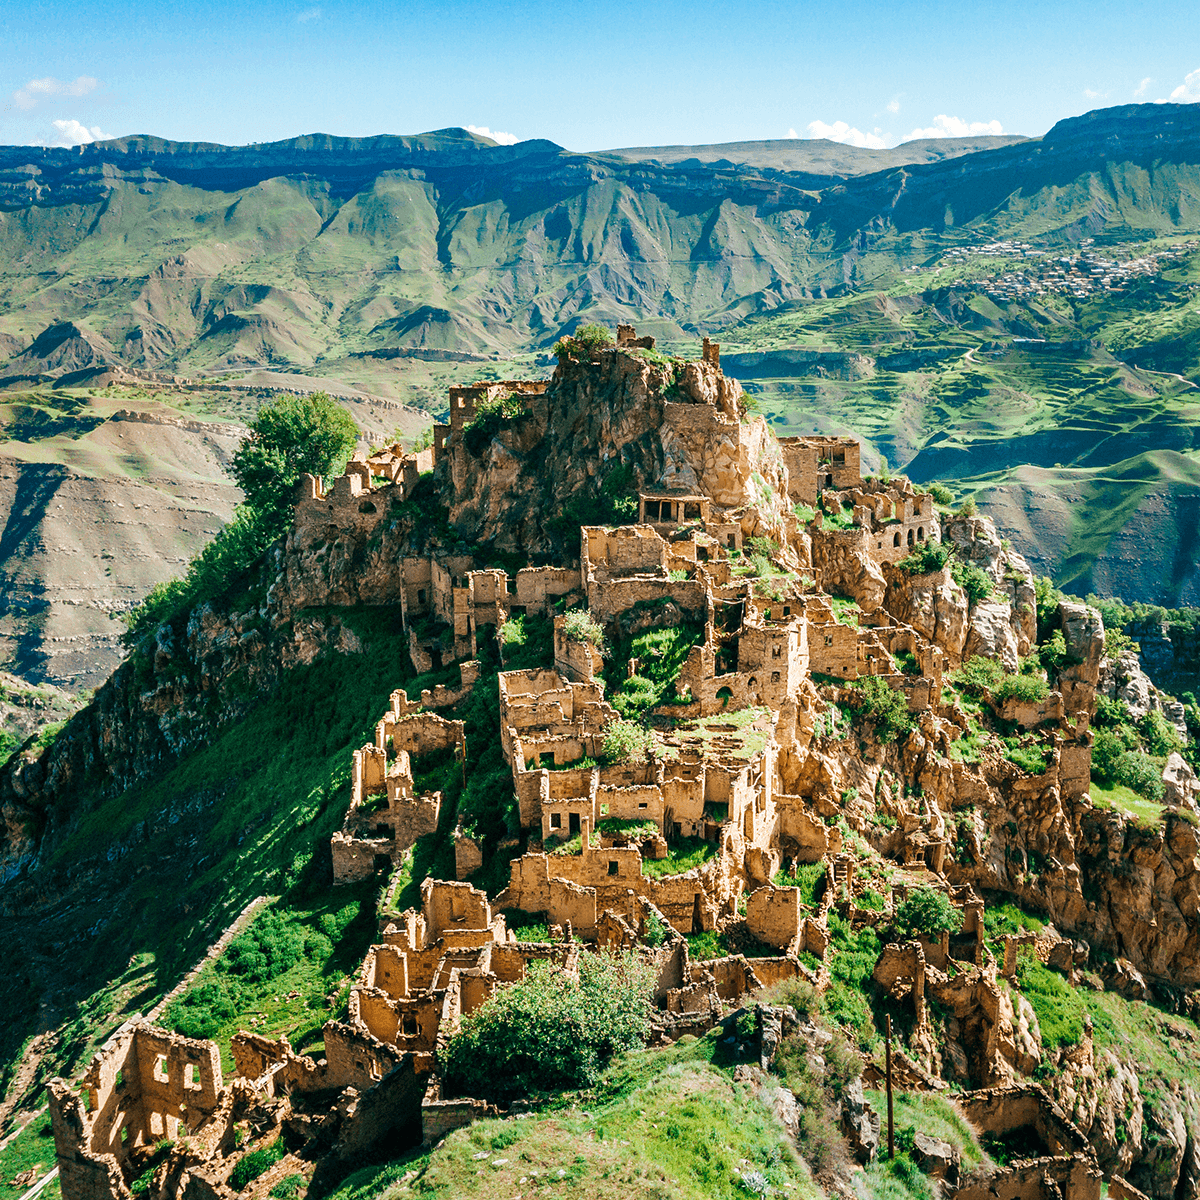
[[888, 1077]]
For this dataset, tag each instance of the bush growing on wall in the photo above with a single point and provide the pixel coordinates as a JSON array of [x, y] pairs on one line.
[[580, 626], [584, 342], [927, 913], [885, 706], [627, 741]]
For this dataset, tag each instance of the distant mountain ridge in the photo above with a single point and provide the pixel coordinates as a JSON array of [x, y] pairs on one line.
[[351, 259]]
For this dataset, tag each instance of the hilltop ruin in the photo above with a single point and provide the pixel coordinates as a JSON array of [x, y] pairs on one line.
[[799, 595]]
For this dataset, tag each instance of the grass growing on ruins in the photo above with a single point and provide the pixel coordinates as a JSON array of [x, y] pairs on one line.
[[808, 877], [660, 653], [31, 1150], [1059, 1007], [683, 854], [845, 610], [917, 1112], [934, 1114], [667, 1122], [742, 733]]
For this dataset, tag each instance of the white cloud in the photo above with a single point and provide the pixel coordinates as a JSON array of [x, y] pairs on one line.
[[1091, 95], [309, 14], [893, 105], [505, 139], [1140, 90], [839, 131], [1188, 92], [792, 133], [944, 126], [75, 133], [37, 90]]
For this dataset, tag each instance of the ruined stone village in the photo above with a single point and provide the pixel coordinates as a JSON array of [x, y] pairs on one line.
[[784, 557]]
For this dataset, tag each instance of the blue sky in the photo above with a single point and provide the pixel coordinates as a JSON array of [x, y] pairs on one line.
[[588, 76]]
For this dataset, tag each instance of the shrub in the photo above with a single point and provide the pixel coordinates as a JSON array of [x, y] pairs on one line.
[[926, 558], [1114, 762], [972, 579], [885, 706], [1030, 759], [1110, 713], [488, 419], [1052, 653], [1159, 736], [1048, 598], [585, 342], [979, 674], [1117, 642], [656, 929], [550, 1031], [927, 913], [968, 507], [265, 950], [288, 1188], [1031, 689], [627, 741], [940, 493], [580, 627]]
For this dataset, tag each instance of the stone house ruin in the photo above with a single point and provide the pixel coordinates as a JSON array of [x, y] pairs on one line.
[[750, 763]]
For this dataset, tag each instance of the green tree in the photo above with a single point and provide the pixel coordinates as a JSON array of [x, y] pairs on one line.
[[293, 436]]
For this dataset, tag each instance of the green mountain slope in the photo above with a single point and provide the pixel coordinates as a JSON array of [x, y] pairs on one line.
[[352, 259]]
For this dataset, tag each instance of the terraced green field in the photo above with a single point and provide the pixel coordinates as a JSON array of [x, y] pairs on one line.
[[1087, 456]]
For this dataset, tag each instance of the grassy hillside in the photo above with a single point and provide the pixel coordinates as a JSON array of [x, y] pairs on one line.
[[1084, 455], [148, 879]]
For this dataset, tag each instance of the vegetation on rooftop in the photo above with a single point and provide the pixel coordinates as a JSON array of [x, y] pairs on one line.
[[585, 342]]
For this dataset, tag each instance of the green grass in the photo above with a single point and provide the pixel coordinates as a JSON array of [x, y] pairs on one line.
[[31, 1149], [660, 654], [683, 854], [845, 610], [1059, 1007], [739, 725], [661, 1123], [808, 877], [244, 817], [933, 1114], [1118, 796]]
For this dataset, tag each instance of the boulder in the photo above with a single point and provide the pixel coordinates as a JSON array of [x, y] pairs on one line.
[[936, 1158], [860, 1123], [1180, 786]]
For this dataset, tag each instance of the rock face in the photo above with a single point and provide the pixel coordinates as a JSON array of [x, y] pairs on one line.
[[669, 433], [976, 542]]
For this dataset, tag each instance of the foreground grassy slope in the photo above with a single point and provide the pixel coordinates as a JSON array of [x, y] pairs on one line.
[[662, 1123]]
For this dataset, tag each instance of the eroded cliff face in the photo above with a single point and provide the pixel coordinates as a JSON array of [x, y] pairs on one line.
[[605, 429]]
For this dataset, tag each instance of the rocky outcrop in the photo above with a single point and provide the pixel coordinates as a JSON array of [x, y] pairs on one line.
[[933, 604], [674, 434]]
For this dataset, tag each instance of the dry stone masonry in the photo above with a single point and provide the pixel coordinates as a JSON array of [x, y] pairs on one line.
[[795, 571]]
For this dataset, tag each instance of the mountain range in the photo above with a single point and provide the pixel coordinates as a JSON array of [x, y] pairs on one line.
[[851, 289]]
